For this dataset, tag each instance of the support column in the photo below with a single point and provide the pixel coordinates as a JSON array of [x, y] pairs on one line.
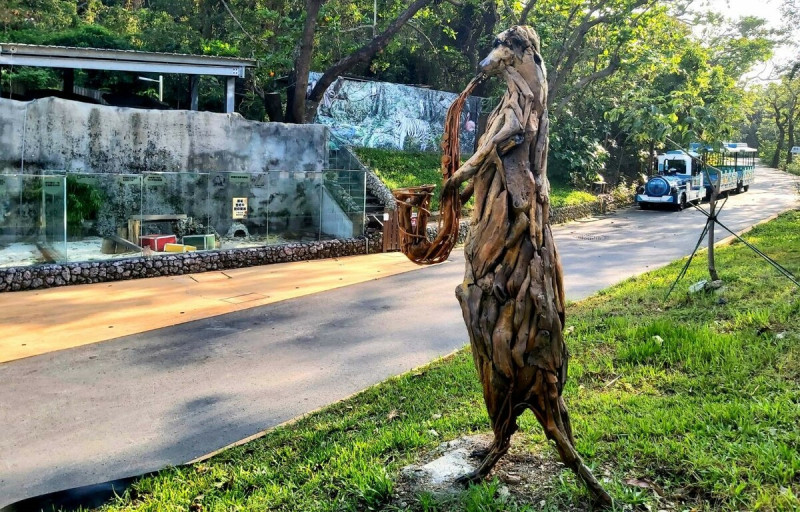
[[230, 88], [194, 85], [69, 81]]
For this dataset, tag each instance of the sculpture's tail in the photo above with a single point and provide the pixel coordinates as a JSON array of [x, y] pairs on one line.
[[413, 232]]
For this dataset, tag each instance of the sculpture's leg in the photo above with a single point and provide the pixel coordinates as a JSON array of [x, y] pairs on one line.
[[499, 447], [569, 455], [565, 420]]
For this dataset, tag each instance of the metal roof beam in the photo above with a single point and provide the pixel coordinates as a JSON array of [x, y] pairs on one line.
[[132, 55], [8, 59]]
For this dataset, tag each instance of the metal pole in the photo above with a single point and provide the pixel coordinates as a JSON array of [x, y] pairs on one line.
[[229, 94], [161, 88]]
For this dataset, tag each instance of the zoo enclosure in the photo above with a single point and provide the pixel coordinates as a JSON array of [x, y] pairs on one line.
[[63, 216]]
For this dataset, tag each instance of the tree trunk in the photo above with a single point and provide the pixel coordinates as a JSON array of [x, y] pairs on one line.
[[273, 107], [790, 142], [776, 158], [296, 106]]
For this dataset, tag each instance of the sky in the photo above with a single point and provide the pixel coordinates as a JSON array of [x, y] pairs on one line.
[[767, 9]]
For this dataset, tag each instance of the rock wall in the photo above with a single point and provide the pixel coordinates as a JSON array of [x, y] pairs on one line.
[[52, 133], [48, 276]]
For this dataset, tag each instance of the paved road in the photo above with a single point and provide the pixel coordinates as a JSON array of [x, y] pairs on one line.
[[138, 403]]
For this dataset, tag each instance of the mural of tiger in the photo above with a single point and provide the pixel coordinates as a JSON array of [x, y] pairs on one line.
[[411, 128]]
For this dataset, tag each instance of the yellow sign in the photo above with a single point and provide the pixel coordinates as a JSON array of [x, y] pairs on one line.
[[239, 207]]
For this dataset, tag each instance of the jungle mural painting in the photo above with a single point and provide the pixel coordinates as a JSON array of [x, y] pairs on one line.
[[392, 116]]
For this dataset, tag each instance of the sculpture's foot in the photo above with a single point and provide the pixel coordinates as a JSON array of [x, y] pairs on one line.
[[480, 453], [470, 478], [600, 497]]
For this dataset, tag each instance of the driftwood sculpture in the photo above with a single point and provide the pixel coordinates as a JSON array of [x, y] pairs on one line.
[[512, 296]]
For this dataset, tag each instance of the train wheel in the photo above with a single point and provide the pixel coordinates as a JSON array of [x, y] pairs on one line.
[[739, 188], [746, 188], [644, 206], [681, 202]]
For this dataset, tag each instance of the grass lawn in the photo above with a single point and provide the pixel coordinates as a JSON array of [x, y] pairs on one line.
[[405, 169], [699, 396]]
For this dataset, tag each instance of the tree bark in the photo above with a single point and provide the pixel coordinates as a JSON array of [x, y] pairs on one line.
[[273, 107], [296, 105], [776, 158]]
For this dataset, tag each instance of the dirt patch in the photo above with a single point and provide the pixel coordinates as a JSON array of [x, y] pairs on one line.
[[524, 477]]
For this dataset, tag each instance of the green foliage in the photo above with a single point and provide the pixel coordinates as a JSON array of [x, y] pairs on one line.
[[696, 396], [29, 78], [83, 202], [618, 78], [407, 169], [400, 169]]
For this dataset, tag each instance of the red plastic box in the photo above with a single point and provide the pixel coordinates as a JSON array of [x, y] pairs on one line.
[[157, 242]]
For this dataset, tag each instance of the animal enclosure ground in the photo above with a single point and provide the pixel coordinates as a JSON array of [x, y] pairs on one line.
[[400, 169], [689, 405]]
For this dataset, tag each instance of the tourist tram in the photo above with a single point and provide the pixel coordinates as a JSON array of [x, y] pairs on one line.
[[683, 177]]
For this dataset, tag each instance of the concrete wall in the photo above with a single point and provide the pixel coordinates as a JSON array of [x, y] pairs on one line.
[[52, 133]]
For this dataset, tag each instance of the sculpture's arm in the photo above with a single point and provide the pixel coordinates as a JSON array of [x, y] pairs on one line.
[[511, 127]]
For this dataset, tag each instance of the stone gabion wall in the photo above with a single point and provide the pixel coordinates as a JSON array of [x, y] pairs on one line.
[[47, 276], [604, 204], [377, 188]]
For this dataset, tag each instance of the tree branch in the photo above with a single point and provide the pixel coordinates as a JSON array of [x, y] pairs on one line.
[[225, 4], [609, 70], [366, 52], [523, 16]]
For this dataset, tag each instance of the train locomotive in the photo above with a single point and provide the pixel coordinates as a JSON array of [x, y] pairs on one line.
[[683, 176]]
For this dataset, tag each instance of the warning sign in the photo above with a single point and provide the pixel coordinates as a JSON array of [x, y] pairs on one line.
[[239, 207]]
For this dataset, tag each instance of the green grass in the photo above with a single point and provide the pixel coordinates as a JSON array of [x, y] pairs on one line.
[[698, 395], [406, 169], [794, 168]]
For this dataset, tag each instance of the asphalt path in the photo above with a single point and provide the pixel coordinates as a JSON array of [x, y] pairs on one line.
[[139, 403]]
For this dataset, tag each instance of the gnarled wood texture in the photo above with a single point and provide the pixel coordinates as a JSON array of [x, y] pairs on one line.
[[512, 296]]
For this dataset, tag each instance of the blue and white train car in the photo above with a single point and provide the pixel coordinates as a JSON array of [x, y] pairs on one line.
[[736, 164], [678, 183]]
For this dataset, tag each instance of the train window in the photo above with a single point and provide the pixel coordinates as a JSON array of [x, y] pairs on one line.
[[675, 166]]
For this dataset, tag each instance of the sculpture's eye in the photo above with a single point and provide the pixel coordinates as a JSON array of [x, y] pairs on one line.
[[496, 43]]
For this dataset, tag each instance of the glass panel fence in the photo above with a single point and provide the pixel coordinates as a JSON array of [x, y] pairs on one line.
[[238, 209], [100, 211], [295, 206], [32, 219], [61, 216], [175, 211], [343, 201]]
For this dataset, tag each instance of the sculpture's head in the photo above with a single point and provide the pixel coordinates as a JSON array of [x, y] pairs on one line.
[[511, 48]]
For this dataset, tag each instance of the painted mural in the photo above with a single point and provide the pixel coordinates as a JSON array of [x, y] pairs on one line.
[[392, 116]]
